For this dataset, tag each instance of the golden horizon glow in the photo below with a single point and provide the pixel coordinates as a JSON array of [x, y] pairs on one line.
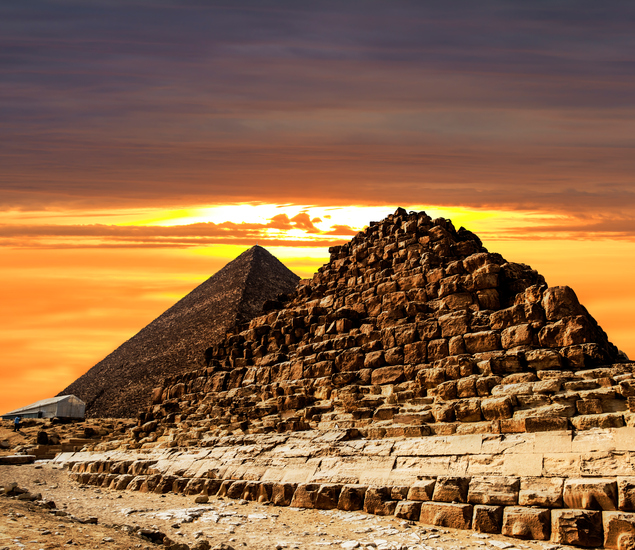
[[88, 293]]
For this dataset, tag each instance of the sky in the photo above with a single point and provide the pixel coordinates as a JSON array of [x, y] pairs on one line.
[[145, 144]]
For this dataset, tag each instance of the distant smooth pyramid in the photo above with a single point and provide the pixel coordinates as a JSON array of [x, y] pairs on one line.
[[120, 384]]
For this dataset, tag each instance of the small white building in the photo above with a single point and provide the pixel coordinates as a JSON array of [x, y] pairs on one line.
[[65, 406]]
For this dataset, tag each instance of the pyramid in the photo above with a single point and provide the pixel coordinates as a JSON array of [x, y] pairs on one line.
[[121, 383], [412, 328], [416, 375]]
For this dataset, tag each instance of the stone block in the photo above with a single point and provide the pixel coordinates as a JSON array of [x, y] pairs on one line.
[[603, 421], [577, 528], [545, 492], [282, 493], [408, 509], [352, 497], [541, 359], [559, 302], [421, 490], [546, 424], [619, 530], [590, 494], [328, 496], [497, 408], [626, 494], [264, 492], [451, 489], [305, 495], [494, 490], [526, 523], [236, 489], [377, 501], [468, 410], [479, 342], [443, 514], [487, 519], [387, 375]]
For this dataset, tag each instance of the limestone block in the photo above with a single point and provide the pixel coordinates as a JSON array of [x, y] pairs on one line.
[[388, 375], [394, 356], [264, 492], [377, 501], [487, 519], [526, 523], [619, 530], [430, 378], [590, 494], [466, 387], [545, 492], [626, 493], [454, 324], [421, 490], [121, 482], [479, 342], [577, 527], [559, 302], [468, 410], [606, 420], [408, 509], [542, 359], [442, 514], [519, 335], [305, 495], [495, 490], [497, 408], [282, 493], [352, 497], [437, 349], [415, 353], [546, 424], [451, 489], [236, 489], [328, 496], [443, 413]]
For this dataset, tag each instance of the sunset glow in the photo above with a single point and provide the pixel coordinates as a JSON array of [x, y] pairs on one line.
[[144, 145]]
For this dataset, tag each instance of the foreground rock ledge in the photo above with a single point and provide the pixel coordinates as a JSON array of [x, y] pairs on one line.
[[570, 488]]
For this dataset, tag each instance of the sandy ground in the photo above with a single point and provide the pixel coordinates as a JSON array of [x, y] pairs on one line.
[[236, 523]]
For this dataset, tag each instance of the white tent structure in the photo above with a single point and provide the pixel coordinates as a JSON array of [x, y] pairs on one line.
[[65, 406]]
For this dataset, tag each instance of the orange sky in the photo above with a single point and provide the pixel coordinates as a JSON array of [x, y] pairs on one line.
[[145, 144], [69, 301]]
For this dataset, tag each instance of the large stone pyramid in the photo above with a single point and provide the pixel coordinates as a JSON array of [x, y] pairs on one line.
[[415, 375], [412, 328], [120, 384]]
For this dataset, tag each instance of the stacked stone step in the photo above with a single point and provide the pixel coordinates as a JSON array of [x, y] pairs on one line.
[[586, 512], [411, 329]]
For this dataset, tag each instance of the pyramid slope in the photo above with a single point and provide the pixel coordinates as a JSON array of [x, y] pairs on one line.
[[413, 328], [120, 384]]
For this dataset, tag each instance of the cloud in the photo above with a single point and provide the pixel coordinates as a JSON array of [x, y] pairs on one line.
[[504, 103]]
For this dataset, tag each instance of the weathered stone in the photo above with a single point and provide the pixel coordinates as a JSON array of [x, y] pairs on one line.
[[421, 490], [487, 519], [378, 501], [545, 424], [526, 523], [619, 530], [408, 509], [605, 420], [327, 496], [626, 493], [478, 342], [559, 302], [541, 359], [352, 497], [442, 514], [236, 489], [519, 335], [590, 494], [282, 493], [541, 491], [576, 527], [388, 375], [305, 495], [451, 489], [495, 490], [497, 408], [468, 410]]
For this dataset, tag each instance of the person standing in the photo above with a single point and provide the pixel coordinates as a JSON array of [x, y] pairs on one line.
[[16, 424]]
